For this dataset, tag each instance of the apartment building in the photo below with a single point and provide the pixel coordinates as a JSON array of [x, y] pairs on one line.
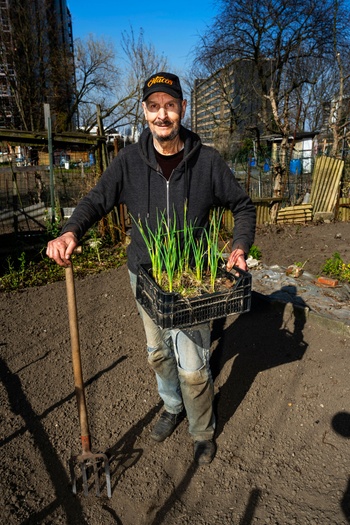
[[36, 61], [225, 105], [7, 74]]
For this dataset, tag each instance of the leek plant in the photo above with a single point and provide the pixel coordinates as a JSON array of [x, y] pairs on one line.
[[185, 241], [198, 249], [153, 243], [214, 254], [171, 250]]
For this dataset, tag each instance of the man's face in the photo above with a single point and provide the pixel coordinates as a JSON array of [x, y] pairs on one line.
[[163, 114]]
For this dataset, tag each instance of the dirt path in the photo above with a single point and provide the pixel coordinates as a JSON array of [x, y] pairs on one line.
[[282, 401]]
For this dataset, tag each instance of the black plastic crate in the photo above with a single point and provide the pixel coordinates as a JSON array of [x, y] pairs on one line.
[[172, 310]]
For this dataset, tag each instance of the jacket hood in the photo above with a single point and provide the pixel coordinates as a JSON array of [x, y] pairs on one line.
[[192, 145]]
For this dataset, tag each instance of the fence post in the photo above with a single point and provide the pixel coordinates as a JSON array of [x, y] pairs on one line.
[[48, 126], [14, 200], [104, 156]]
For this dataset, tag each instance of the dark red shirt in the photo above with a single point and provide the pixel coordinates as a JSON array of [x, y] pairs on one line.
[[168, 163]]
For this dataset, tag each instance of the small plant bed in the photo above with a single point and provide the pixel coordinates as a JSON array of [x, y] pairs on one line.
[[175, 310]]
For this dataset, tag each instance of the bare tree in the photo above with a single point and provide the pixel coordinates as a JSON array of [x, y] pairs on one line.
[[97, 79], [118, 90], [142, 61], [339, 103], [280, 38]]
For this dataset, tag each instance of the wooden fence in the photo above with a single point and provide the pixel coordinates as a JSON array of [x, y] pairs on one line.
[[324, 198], [326, 184], [28, 214]]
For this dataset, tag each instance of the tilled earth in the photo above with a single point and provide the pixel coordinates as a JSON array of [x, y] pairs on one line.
[[282, 403]]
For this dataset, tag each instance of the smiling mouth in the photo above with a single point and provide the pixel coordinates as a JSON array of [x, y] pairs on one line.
[[162, 124]]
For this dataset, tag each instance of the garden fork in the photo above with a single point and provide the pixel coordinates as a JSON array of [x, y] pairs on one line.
[[87, 459]]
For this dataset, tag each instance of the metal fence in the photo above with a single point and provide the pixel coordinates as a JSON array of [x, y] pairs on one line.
[[257, 176], [25, 200], [25, 194]]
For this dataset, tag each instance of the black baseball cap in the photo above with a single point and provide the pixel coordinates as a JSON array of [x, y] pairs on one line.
[[164, 82]]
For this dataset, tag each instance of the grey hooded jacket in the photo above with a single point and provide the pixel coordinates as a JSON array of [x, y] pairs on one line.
[[202, 179]]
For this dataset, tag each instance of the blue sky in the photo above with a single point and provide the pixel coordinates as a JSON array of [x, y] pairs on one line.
[[172, 27]]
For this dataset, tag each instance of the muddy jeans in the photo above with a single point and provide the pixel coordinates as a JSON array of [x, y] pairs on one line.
[[180, 360]]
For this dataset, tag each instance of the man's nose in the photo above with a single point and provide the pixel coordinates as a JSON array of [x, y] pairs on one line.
[[162, 113]]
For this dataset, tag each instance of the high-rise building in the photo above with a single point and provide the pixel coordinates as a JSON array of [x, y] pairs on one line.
[[36, 63], [225, 105]]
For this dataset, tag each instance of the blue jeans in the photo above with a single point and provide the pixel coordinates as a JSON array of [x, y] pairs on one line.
[[180, 360]]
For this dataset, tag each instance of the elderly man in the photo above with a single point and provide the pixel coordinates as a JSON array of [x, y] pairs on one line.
[[167, 170]]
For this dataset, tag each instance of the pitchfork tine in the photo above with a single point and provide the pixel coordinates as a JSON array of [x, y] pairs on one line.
[[73, 476], [84, 475], [108, 479], [97, 477]]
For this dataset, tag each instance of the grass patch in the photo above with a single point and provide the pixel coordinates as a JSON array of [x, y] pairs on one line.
[[25, 273]]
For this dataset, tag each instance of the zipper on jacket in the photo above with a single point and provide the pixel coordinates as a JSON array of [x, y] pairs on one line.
[[168, 200], [168, 197]]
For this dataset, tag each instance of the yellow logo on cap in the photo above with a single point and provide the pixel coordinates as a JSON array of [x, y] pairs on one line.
[[159, 80]]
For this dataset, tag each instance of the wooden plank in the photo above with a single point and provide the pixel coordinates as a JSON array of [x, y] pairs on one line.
[[291, 215], [295, 209], [319, 180], [299, 213], [40, 137], [344, 209], [344, 202], [292, 220], [262, 214], [325, 183]]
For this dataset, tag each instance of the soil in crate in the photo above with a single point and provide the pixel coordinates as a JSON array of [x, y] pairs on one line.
[[174, 310]]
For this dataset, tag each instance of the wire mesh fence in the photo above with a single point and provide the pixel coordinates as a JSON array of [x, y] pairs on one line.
[[25, 194], [25, 191], [257, 175]]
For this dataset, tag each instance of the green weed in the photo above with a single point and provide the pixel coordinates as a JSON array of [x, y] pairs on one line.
[[25, 273], [53, 227], [335, 267], [255, 252]]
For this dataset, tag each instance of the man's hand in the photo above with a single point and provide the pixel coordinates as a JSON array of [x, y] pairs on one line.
[[61, 249], [237, 258]]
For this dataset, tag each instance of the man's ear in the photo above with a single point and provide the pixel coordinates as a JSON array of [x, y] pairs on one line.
[[183, 108], [144, 109]]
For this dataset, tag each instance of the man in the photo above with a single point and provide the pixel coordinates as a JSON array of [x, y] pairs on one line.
[[168, 168]]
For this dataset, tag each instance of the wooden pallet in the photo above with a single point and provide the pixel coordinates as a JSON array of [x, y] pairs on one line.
[[300, 213]]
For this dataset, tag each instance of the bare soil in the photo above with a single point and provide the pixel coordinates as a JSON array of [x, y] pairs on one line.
[[310, 243], [282, 404]]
